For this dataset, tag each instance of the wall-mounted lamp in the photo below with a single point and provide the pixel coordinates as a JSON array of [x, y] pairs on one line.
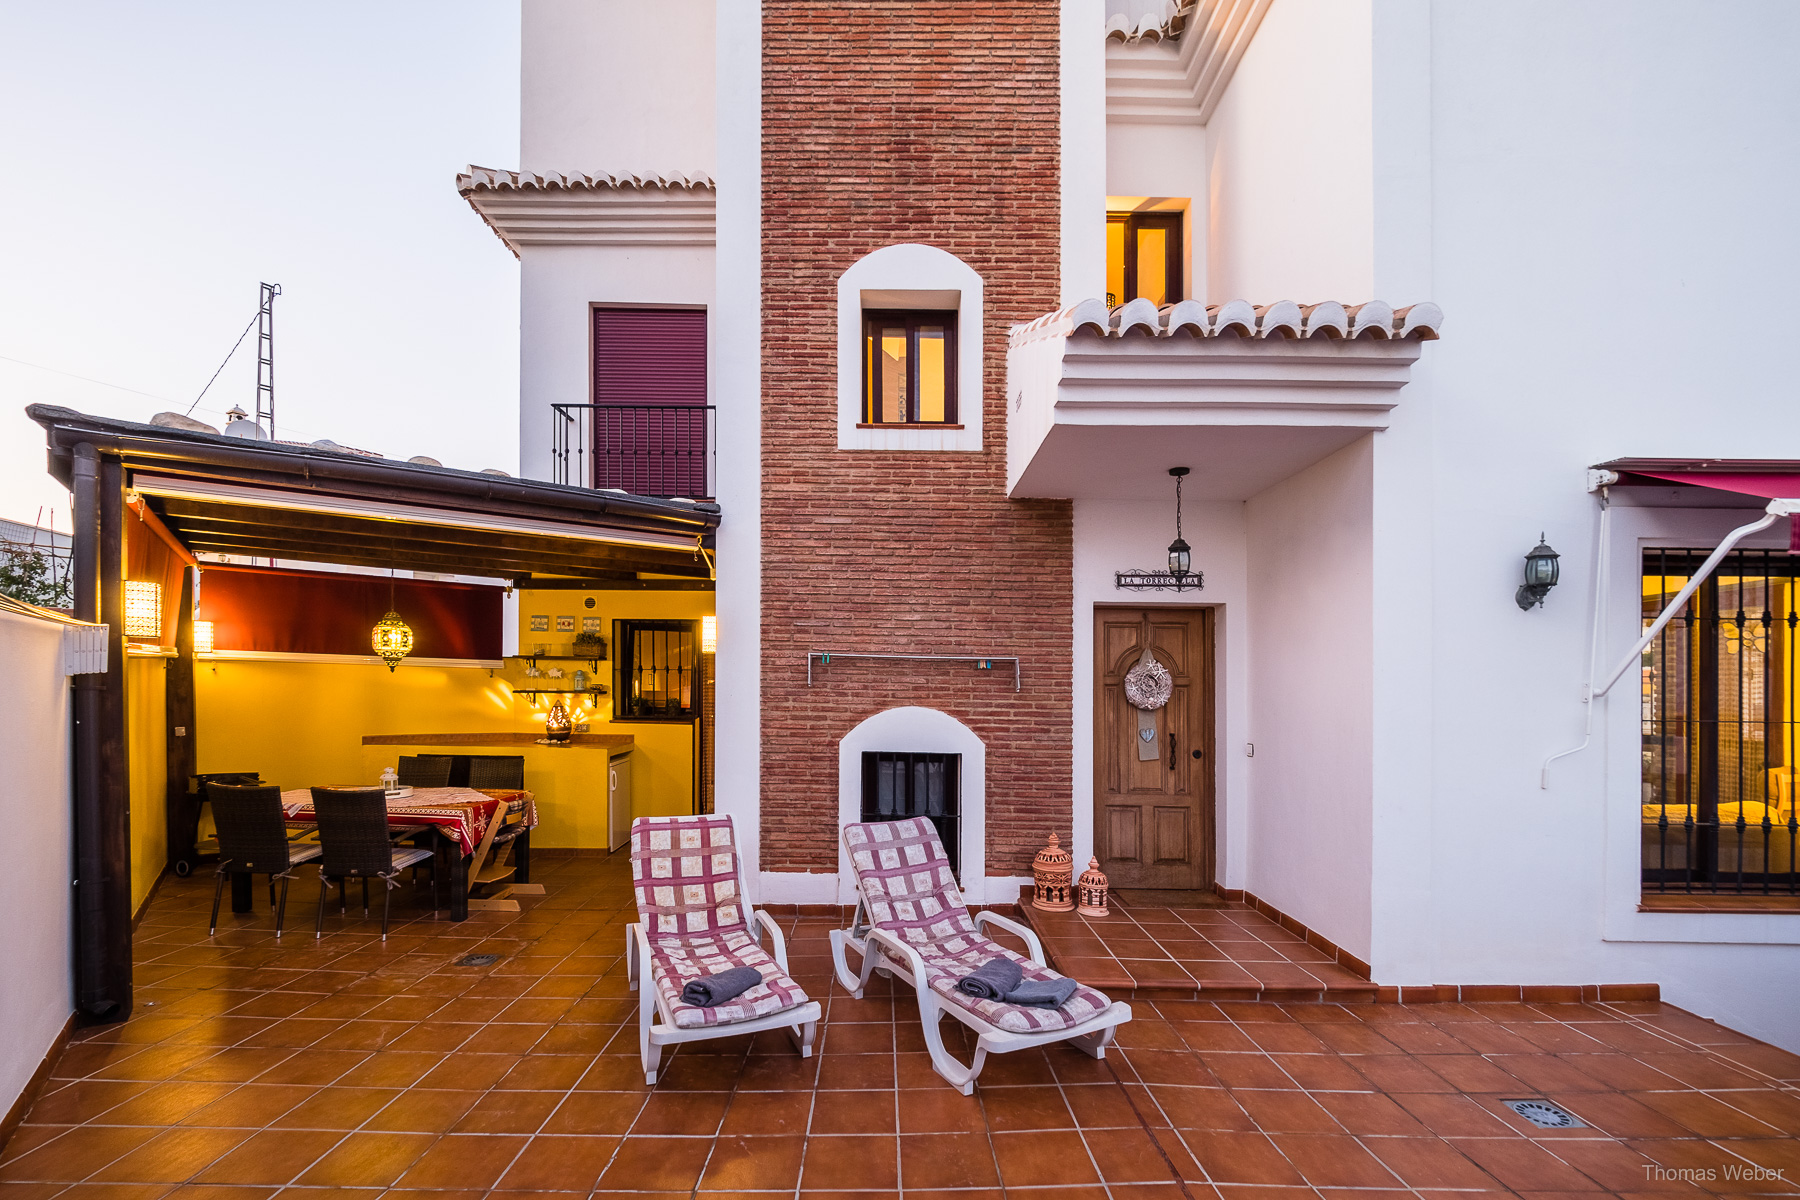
[[1541, 570], [203, 637], [709, 635], [143, 609]]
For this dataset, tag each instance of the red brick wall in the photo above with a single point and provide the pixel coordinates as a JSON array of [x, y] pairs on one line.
[[887, 123]]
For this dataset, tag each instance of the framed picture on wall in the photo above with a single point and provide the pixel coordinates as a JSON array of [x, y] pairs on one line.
[[540, 624]]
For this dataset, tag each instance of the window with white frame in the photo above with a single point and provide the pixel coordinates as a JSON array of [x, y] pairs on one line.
[[909, 351]]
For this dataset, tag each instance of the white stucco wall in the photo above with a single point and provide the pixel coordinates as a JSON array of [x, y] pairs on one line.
[[734, 351], [1597, 174], [617, 85], [36, 807], [1308, 548], [1165, 160], [558, 285], [1291, 207], [1116, 535]]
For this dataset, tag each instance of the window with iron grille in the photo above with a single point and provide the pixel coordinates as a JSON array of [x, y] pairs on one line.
[[1719, 733], [656, 670], [898, 786]]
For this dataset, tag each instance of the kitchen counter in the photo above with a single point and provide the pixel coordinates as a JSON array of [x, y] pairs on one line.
[[619, 743]]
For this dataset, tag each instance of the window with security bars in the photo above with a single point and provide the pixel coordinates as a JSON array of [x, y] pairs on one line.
[[656, 675], [898, 786], [1720, 742]]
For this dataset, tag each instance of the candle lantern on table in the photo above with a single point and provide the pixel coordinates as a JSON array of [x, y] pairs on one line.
[[1052, 872], [556, 724]]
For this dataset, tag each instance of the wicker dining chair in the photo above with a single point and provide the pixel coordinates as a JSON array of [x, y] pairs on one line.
[[425, 770], [253, 841], [497, 771], [353, 832]]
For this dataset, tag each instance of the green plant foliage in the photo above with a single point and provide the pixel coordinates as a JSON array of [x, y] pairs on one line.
[[35, 577]]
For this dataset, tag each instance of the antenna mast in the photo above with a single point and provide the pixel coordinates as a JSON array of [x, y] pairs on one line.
[[265, 357]]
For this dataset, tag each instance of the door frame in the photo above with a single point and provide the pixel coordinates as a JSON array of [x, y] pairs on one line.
[[1208, 690]]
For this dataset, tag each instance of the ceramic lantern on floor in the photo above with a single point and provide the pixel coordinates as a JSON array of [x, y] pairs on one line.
[[1052, 872], [1090, 891]]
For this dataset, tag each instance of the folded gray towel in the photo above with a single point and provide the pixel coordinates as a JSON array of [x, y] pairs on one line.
[[991, 980], [710, 990], [1042, 993]]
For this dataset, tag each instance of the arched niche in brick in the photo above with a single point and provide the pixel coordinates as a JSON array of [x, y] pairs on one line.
[[915, 730], [909, 275]]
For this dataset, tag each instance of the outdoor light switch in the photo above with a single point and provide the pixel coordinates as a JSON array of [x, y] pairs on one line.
[[1249, 749], [181, 731]]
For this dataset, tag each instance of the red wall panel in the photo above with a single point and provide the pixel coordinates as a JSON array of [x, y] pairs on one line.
[[322, 612]]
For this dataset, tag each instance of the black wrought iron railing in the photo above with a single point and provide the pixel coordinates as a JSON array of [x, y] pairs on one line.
[[1720, 736], [645, 449]]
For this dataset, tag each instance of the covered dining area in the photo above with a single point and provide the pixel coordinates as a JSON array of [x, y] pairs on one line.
[[341, 670]]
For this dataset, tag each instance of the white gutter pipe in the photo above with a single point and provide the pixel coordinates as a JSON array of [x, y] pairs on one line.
[[1600, 549], [1776, 510]]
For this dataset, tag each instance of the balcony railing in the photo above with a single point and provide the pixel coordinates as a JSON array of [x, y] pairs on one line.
[[645, 449]]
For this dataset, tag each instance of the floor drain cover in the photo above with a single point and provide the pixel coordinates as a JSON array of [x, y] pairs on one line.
[[1544, 1114], [478, 960]]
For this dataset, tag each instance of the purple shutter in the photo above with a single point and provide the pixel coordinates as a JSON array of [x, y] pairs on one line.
[[649, 367]]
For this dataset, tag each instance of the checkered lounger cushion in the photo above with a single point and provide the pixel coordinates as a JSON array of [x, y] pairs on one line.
[[909, 892], [685, 873]]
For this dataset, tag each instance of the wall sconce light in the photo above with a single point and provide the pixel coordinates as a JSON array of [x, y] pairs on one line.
[[203, 637], [1541, 570], [143, 609], [709, 635]]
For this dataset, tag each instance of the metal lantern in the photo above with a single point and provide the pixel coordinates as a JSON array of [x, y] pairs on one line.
[[1179, 557], [557, 726], [392, 639], [1090, 891], [1052, 872], [1541, 571], [143, 609]]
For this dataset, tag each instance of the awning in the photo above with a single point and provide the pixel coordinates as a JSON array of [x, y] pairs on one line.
[[1767, 479], [1777, 481], [210, 494]]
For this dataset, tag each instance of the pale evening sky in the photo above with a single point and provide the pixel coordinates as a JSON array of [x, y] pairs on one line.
[[163, 159]]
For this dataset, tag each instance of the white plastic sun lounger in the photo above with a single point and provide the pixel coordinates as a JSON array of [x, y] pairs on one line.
[[918, 929], [693, 921]]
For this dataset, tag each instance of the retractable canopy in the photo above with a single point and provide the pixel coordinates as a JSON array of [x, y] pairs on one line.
[[232, 496], [1767, 479]]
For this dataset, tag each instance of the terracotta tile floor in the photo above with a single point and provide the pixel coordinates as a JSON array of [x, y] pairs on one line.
[[1228, 952], [343, 1067]]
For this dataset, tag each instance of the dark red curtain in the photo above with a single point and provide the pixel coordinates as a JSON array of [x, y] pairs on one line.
[[321, 612]]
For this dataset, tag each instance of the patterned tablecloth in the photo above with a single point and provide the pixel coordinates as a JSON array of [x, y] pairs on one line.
[[462, 813]]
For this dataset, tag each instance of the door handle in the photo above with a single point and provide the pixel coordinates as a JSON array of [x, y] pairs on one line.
[[1171, 750], [1197, 754]]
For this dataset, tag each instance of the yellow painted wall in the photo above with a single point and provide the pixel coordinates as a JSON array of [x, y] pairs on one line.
[[663, 767], [301, 724], [147, 740]]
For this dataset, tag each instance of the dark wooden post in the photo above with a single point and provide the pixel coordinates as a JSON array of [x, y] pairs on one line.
[[183, 806], [102, 774]]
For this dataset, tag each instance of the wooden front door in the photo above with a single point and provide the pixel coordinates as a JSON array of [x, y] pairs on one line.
[[1153, 795]]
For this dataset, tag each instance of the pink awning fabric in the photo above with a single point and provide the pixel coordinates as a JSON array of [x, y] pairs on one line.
[[1766, 485]]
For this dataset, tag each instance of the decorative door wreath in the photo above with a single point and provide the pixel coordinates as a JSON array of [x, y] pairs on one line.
[[1148, 687]]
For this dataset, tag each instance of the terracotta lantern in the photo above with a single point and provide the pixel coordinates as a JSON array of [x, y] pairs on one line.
[[1052, 872], [1090, 891]]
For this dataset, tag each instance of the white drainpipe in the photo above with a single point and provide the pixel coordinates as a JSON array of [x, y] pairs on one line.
[[1776, 510]]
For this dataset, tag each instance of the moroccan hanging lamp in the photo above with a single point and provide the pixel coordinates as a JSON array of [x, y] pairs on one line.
[[392, 638]]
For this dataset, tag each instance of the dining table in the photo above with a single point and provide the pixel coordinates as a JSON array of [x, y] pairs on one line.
[[456, 818]]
